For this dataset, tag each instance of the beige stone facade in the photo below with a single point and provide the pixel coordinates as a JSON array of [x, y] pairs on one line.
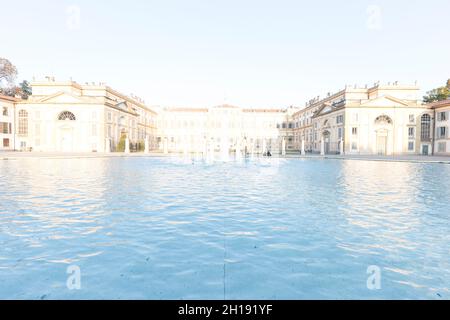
[[226, 128], [69, 117], [64, 116], [381, 120], [7, 122], [442, 126]]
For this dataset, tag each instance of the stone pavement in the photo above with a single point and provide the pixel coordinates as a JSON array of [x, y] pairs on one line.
[[10, 155]]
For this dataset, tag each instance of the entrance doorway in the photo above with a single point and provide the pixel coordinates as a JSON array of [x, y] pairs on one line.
[[326, 139], [66, 143], [425, 150], [381, 145]]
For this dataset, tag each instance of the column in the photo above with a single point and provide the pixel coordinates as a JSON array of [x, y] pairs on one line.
[[147, 145], [166, 146], [127, 145], [303, 148], [107, 145], [322, 147]]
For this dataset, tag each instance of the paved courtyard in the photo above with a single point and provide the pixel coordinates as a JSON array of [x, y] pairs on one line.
[[8, 155]]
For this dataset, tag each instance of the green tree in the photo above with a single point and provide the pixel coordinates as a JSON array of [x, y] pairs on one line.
[[25, 89], [8, 75], [141, 146], [8, 72], [438, 94], [121, 144]]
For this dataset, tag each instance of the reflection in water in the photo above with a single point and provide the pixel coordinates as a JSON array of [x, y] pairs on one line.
[[269, 228]]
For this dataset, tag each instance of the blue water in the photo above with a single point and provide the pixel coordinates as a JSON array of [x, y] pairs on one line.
[[163, 228]]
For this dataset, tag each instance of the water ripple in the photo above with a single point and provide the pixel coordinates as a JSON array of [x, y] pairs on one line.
[[149, 228]]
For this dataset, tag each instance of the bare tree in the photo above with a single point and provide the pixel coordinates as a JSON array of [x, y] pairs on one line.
[[8, 72]]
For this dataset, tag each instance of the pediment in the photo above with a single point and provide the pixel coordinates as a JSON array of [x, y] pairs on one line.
[[384, 101], [64, 98], [326, 108]]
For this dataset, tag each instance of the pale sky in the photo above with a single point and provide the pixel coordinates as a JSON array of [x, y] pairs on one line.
[[252, 53]]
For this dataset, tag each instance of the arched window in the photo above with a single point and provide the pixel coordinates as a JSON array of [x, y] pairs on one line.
[[23, 123], [383, 119], [66, 115], [425, 127]]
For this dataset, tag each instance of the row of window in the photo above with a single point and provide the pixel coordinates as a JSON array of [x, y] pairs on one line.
[[411, 146]]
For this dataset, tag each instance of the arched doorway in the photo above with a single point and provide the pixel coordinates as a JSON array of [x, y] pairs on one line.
[[326, 138], [66, 131], [383, 125], [382, 142], [66, 139]]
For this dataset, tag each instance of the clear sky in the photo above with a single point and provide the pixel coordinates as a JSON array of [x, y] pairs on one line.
[[251, 53]]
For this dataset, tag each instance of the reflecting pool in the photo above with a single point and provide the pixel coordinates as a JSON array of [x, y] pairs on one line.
[[167, 228]]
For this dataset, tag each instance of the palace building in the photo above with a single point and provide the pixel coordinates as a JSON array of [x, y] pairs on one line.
[[64, 116], [69, 117], [380, 120]]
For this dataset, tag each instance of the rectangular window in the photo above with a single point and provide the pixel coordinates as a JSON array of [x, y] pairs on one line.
[[5, 111], [354, 146], [94, 130], [340, 133], [355, 131], [37, 129], [442, 147], [340, 119], [442, 116], [442, 132], [411, 133], [411, 146], [5, 143], [5, 127], [411, 118]]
